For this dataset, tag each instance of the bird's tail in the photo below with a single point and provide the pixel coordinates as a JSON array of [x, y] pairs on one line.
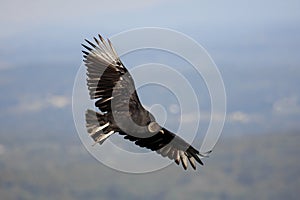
[[98, 126]]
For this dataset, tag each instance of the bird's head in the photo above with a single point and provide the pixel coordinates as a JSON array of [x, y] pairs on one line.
[[154, 127]]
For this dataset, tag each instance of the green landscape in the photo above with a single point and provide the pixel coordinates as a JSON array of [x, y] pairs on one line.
[[246, 167]]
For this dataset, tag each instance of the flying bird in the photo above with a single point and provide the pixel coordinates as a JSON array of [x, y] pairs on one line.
[[112, 87]]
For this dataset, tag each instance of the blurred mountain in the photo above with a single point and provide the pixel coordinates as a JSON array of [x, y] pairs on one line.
[[264, 166]]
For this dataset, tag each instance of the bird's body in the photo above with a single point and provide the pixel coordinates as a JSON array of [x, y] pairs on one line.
[[112, 86]]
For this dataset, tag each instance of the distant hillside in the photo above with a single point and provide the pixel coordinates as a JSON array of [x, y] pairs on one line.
[[250, 167]]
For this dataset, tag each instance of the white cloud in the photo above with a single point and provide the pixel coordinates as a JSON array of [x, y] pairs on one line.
[[174, 109], [244, 118], [239, 116], [32, 104], [58, 101], [287, 106]]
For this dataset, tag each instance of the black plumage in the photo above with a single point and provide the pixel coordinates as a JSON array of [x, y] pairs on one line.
[[112, 86]]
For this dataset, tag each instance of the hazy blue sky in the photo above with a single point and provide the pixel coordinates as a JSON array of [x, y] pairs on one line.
[[255, 44]]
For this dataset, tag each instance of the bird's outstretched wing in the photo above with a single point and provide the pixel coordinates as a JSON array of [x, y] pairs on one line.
[[112, 86], [108, 79], [167, 144]]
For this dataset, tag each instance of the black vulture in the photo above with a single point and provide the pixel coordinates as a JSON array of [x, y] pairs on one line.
[[112, 87]]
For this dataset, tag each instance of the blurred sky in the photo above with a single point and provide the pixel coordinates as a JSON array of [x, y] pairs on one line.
[[255, 44]]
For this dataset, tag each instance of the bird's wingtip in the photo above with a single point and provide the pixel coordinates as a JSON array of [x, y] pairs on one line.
[[205, 154]]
